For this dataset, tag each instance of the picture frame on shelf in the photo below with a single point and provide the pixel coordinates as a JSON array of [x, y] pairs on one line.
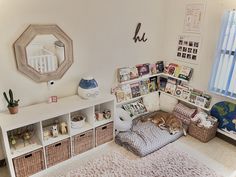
[[143, 69], [123, 74]]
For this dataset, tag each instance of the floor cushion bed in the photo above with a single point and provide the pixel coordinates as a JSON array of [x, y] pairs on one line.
[[145, 138]]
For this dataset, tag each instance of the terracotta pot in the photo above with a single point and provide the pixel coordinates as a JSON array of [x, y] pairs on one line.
[[13, 110]]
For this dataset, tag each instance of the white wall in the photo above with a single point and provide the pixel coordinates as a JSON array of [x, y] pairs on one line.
[[214, 10], [101, 31]]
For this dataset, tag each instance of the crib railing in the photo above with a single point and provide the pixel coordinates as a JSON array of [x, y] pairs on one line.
[[46, 62]]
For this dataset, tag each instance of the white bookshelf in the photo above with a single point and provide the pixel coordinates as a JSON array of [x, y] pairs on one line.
[[44, 114], [230, 135], [186, 101], [139, 79]]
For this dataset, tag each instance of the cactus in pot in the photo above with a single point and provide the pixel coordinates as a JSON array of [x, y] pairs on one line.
[[12, 104]]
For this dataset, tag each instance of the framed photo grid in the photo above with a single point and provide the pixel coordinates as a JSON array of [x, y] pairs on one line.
[[188, 48]]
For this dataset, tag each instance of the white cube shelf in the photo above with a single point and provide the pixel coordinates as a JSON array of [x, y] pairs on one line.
[[42, 116]]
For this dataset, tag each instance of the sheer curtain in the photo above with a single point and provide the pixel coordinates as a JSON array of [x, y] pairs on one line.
[[223, 79]]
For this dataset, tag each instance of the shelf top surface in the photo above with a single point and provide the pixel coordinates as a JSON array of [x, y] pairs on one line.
[[39, 112]]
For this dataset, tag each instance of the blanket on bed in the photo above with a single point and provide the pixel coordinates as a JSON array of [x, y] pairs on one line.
[[145, 138]]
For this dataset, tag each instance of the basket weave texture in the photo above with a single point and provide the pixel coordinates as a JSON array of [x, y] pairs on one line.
[[29, 164], [104, 134], [82, 142], [201, 133], [57, 152]]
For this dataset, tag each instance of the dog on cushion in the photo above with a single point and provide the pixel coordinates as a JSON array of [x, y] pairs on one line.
[[167, 121]]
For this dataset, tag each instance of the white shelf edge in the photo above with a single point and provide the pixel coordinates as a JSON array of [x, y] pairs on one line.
[[139, 79], [232, 136], [54, 140], [186, 101], [102, 122], [85, 128], [133, 99], [26, 150], [167, 75], [148, 76]]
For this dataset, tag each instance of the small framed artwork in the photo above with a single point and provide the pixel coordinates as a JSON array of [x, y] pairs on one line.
[[188, 48], [52, 99]]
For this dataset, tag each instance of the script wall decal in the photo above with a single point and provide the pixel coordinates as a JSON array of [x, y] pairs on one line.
[[137, 37]]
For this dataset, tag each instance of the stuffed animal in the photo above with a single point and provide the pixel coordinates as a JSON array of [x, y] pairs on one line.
[[202, 119], [54, 131], [63, 128]]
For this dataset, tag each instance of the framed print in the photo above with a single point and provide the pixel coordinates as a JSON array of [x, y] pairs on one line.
[[188, 48]]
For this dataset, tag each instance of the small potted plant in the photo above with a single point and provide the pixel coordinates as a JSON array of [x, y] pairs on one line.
[[12, 104]]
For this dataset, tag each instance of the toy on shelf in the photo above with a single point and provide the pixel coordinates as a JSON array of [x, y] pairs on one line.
[[105, 114], [54, 131], [77, 120], [63, 128]]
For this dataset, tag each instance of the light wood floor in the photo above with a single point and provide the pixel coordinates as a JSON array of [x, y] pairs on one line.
[[216, 154]]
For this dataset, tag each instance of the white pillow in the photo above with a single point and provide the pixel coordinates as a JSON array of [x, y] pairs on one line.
[[123, 122], [152, 102], [167, 103]]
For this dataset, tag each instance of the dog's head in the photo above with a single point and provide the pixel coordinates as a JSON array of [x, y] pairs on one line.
[[175, 128]]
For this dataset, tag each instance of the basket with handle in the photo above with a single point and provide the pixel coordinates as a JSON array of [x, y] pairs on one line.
[[201, 133], [82, 142], [29, 164], [104, 134], [57, 152]]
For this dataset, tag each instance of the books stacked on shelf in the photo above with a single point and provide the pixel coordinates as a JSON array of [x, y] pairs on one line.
[[130, 73], [185, 92], [133, 90], [182, 72], [124, 74]]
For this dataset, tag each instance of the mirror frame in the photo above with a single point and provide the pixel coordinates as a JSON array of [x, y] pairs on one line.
[[21, 56]]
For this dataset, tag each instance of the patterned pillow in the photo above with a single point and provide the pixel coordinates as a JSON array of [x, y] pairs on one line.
[[135, 108], [225, 112]]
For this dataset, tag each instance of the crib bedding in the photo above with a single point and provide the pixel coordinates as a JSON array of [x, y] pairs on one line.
[[145, 138]]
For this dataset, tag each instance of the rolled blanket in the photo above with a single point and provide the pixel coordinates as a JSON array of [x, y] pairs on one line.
[[184, 113]]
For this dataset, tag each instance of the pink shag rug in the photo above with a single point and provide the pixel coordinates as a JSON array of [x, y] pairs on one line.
[[166, 162]]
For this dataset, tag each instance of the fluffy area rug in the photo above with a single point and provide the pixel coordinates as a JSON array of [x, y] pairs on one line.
[[166, 162]]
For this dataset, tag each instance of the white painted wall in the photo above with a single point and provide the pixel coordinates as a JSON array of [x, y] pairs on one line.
[[175, 13], [102, 34], [101, 31]]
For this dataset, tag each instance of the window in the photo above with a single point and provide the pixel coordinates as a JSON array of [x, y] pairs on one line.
[[223, 79]]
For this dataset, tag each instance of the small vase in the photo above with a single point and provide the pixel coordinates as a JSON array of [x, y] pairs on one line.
[[13, 110]]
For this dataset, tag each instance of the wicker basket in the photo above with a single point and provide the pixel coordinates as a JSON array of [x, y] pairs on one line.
[[104, 134], [29, 164], [82, 142], [201, 133], [57, 152]]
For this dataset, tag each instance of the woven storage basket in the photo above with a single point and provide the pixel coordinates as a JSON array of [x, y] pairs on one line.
[[201, 133], [29, 164], [57, 152], [104, 133], [82, 142]]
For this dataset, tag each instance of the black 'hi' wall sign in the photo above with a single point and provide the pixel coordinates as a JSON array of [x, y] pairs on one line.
[[136, 37]]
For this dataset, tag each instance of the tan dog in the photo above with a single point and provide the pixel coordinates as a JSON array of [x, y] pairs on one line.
[[168, 121]]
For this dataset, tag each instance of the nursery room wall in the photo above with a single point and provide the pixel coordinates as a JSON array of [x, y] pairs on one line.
[[101, 31], [210, 30]]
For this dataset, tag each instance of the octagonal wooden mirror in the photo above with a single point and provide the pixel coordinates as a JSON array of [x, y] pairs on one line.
[[43, 52]]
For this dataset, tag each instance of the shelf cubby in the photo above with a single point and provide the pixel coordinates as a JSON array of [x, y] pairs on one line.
[[24, 139], [89, 120], [102, 107], [56, 121]]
